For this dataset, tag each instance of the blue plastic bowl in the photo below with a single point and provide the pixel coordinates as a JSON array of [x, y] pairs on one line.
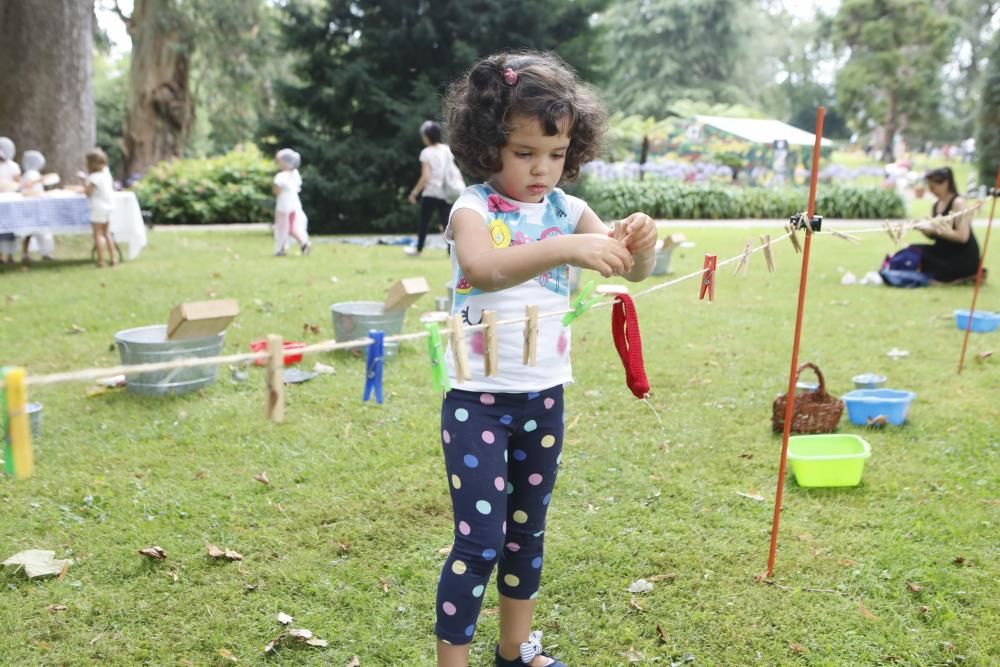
[[982, 322], [865, 404]]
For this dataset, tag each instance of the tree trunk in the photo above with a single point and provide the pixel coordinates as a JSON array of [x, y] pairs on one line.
[[888, 154], [160, 107], [46, 98]]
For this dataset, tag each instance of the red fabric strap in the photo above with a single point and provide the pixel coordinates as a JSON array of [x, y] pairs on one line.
[[625, 330]]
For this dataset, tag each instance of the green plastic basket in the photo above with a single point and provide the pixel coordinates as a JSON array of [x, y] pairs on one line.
[[828, 459]]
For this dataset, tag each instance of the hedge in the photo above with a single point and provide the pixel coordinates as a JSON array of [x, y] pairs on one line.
[[235, 187], [672, 200]]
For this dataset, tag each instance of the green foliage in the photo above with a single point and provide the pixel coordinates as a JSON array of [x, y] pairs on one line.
[[896, 50], [110, 93], [988, 131], [235, 187], [371, 72], [673, 200]]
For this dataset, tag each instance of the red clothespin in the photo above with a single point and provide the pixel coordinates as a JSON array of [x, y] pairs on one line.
[[708, 278], [625, 331]]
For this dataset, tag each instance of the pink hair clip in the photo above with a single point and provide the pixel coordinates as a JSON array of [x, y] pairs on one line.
[[510, 76]]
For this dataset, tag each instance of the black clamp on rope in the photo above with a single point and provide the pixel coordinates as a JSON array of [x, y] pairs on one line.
[[802, 221]]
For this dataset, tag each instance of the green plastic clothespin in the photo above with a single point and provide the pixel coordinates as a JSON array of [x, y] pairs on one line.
[[435, 348], [8, 455], [580, 304]]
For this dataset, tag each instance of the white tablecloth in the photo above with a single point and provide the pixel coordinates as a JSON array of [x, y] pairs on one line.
[[68, 213]]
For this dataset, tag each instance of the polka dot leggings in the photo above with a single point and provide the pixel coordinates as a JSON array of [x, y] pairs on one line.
[[501, 452]]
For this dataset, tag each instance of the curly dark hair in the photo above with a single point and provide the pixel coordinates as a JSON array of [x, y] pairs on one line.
[[478, 108]]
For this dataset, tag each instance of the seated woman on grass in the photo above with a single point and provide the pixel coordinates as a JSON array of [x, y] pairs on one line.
[[954, 255]]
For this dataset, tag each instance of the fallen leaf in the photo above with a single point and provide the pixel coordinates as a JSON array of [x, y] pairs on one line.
[[228, 655], [923, 609], [153, 552], [670, 576], [752, 496], [354, 662], [635, 604], [300, 633], [323, 369], [284, 618], [38, 563], [864, 611], [201, 474], [640, 586], [746, 455], [172, 575], [318, 643], [75, 329], [211, 293], [983, 356], [806, 537], [385, 584], [344, 547], [959, 560], [311, 328], [231, 555], [250, 588], [796, 648], [916, 588], [214, 551], [660, 634], [492, 611], [53, 608], [262, 478], [444, 551]]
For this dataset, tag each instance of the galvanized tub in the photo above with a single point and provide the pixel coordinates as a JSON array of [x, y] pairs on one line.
[[146, 345], [353, 320], [34, 411]]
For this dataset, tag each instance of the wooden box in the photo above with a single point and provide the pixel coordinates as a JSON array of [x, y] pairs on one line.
[[404, 293], [201, 318]]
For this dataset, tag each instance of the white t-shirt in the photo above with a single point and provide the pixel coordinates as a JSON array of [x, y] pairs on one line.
[[31, 183], [9, 171], [527, 223], [289, 184], [438, 158], [102, 197]]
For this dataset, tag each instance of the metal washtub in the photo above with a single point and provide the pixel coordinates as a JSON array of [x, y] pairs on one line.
[[353, 319], [145, 345]]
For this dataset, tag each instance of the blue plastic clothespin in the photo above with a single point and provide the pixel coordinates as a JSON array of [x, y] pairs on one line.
[[373, 366], [435, 348], [580, 305]]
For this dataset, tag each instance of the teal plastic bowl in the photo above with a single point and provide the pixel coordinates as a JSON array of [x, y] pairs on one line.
[[828, 460]]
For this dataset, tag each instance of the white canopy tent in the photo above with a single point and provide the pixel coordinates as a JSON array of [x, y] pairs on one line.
[[762, 131]]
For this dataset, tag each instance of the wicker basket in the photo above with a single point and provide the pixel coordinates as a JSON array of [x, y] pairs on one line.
[[815, 411]]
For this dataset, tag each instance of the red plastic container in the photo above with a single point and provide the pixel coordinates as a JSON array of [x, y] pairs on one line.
[[291, 348]]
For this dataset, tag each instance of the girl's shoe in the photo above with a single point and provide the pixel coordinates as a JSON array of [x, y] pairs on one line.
[[306, 248], [411, 251], [529, 651]]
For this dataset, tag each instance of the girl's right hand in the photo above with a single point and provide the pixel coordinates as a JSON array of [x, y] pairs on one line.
[[598, 252]]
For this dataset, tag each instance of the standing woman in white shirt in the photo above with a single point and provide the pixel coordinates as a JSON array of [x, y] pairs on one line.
[[435, 159], [100, 192], [289, 218], [10, 174]]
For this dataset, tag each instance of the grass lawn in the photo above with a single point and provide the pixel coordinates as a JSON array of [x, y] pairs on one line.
[[347, 536]]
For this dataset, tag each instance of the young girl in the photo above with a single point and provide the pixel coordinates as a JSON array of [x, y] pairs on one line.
[[10, 174], [100, 191], [289, 219], [32, 185], [435, 159], [525, 123]]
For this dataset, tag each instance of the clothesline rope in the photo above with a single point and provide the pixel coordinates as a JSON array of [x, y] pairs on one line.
[[332, 345]]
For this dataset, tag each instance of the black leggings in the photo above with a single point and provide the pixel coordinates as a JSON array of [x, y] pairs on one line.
[[427, 207]]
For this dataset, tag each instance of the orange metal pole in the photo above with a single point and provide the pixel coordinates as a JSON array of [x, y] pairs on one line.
[[790, 406], [979, 271]]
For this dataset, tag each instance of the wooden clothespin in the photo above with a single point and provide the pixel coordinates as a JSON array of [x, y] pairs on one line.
[[768, 257], [490, 343], [900, 231], [708, 278], [373, 366], [18, 457], [793, 238], [530, 335], [435, 350], [744, 263], [275, 378], [845, 237], [890, 230], [458, 351]]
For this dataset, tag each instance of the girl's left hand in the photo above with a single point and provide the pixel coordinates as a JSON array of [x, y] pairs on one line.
[[638, 233]]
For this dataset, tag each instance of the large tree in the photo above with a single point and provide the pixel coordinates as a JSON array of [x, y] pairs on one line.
[[370, 71], [988, 132], [667, 50], [46, 101], [188, 54], [896, 49]]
